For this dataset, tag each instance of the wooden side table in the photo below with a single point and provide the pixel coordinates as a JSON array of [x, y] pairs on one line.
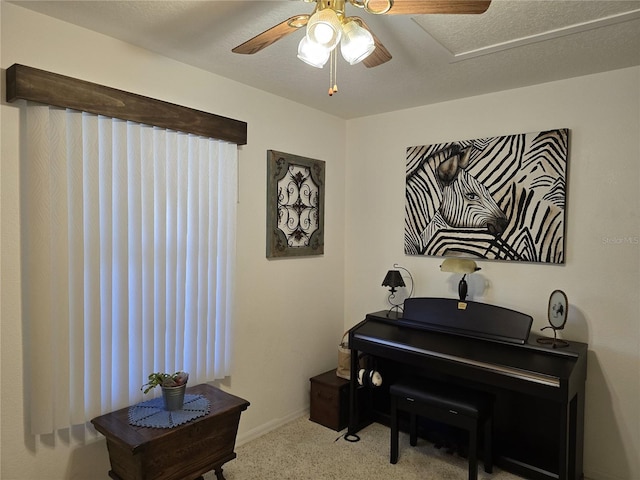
[[184, 452], [329, 404]]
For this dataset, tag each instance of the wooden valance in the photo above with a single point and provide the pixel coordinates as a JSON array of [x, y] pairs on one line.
[[27, 83]]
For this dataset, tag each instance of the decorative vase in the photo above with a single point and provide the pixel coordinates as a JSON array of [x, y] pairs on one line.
[[173, 397]]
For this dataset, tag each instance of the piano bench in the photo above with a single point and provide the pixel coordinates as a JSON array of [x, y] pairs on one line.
[[463, 408]]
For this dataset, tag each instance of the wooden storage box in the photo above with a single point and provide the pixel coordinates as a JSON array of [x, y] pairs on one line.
[[330, 400], [184, 452]]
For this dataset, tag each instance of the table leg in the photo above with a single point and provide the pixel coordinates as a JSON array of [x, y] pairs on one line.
[[219, 475]]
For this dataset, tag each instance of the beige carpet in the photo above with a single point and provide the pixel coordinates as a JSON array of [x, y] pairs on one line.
[[304, 450]]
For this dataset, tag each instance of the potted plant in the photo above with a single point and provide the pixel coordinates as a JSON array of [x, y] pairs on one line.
[[173, 386]]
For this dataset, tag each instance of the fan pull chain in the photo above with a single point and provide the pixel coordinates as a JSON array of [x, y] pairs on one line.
[[333, 74]]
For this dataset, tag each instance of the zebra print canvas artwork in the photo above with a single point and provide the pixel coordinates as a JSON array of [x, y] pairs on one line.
[[495, 198]]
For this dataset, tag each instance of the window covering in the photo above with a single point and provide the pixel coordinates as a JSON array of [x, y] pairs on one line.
[[128, 260]]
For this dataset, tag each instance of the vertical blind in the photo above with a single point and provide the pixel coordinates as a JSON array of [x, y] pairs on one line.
[[128, 260]]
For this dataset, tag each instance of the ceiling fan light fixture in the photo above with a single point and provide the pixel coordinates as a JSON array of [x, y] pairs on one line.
[[324, 28], [357, 43], [312, 53]]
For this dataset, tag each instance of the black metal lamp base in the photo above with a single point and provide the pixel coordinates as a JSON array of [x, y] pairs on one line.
[[555, 342], [397, 309]]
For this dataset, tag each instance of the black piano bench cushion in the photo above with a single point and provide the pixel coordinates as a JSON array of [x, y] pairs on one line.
[[451, 405], [439, 395]]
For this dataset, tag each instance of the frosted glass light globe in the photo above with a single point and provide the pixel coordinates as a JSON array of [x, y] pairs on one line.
[[324, 28]]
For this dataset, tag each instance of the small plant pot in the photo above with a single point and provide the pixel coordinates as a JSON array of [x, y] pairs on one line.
[[173, 397]]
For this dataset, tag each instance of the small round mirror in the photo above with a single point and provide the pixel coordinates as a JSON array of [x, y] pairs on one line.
[[558, 306]]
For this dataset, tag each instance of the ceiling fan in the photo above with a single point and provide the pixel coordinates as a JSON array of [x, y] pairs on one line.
[[327, 26]]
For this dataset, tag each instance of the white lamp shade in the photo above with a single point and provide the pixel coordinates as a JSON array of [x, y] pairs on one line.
[[357, 43], [312, 53], [324, 28]]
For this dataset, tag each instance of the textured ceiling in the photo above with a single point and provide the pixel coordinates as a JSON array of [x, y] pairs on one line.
[[435, 57]]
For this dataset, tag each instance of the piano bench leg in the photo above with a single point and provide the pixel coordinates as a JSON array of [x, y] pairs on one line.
[[488, 447], [473, 454], [413, 429], [393, 456]]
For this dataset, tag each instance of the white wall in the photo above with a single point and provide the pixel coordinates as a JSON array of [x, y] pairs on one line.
[[289, 313], [602, 272], [287, 333]]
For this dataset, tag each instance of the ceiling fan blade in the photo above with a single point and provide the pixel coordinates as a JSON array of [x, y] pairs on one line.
[[422, 7], [272, 35], [380, 55]]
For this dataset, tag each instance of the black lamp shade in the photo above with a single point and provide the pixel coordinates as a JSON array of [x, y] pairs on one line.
[[393, 279]]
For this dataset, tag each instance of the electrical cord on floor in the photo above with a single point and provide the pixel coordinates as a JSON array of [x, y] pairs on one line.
[[349, 437]]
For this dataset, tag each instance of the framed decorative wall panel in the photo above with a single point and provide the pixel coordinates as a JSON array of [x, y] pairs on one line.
[[495, 198], [295, 205]]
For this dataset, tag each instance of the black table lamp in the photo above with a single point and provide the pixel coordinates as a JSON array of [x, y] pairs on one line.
[[393, 279]]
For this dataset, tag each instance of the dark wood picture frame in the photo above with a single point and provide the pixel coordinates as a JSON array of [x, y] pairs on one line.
[[295, 205]]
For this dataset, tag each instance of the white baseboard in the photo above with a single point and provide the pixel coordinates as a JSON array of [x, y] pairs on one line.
[[268, 427]]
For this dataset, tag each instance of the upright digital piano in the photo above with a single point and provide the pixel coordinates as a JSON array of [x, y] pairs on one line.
[[538, 390]]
